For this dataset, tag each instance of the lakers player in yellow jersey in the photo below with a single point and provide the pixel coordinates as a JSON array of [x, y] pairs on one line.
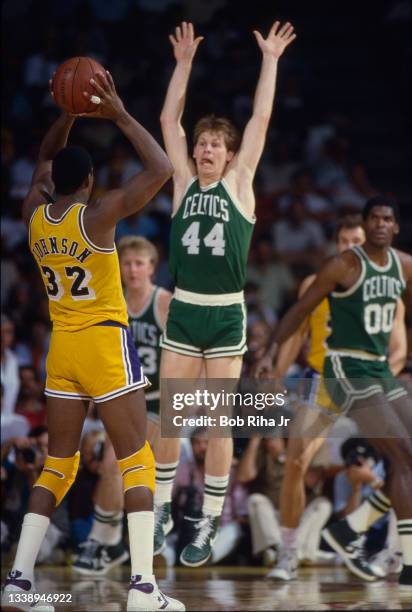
[[92, 354], [300, 451]]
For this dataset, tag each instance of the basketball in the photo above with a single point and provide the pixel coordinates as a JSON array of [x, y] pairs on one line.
[[72, 78]]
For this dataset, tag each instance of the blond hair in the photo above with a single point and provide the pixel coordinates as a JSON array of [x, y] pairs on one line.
[[139, 245], [211, 123]]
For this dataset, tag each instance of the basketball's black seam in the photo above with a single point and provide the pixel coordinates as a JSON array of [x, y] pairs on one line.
[[91, 68], [74, 76]]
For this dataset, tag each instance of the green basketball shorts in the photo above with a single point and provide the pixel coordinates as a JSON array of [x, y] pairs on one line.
[[205, 331], [348, 379]]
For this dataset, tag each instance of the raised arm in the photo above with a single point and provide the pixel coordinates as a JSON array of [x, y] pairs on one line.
[[254, 135], [102, 216], [41, 183], [184, 48]]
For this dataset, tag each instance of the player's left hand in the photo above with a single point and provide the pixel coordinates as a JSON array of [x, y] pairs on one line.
[[278, 39]]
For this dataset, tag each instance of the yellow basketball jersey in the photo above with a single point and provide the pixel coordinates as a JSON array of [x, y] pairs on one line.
[[319, 332], [82, 280]]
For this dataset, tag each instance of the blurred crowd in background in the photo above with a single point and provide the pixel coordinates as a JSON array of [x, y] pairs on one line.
[[337, 137]]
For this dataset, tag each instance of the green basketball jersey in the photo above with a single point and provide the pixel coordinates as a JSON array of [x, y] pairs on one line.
[[210, 239], [146, 331], [362, 316]]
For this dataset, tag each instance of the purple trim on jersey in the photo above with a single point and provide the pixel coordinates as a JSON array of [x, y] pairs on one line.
[[110, 323]]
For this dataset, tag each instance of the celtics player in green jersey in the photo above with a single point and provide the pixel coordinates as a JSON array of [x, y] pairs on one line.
[[363, 286], [212, 224], [147, 307]]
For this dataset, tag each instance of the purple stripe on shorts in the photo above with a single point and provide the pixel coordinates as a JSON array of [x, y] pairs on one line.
[[125, 349], [137, 373]]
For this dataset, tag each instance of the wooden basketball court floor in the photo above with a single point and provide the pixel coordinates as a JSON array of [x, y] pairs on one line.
[[229, 588]]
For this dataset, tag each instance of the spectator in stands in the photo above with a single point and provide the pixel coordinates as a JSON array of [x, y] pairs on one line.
[[332, 167], [120, 167], [9, 273], [9, 367], [273, 278], [261, 468], [255, 307], [80, 498], [12, 425], [302, 186], [351, 194], [23, 459], [298, 240], [365, 472], [30, 401], [258, 334], [277, 168], [39, 67]]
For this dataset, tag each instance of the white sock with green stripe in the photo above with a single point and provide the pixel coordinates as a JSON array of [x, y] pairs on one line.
[[405, 537], [375, 506], [107, 526], [165, 476], [214, 494]]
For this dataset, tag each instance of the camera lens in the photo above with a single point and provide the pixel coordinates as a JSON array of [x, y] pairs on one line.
[[28, 454]]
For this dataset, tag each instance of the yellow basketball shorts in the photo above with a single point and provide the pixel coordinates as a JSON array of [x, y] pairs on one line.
[[98, 363], [314, 392]]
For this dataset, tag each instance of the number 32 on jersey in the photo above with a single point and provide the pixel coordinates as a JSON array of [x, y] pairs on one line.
[[79, 288], [213, 240]]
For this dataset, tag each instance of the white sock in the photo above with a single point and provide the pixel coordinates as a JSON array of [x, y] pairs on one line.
[[392, 541], [107, 526], [375, 506], [405, 537], [165, 475], [214, 494], [141, 531], [32, 534], [289, 536]]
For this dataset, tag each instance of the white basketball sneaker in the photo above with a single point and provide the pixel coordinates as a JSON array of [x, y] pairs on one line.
[[144, 595], [19, 594]]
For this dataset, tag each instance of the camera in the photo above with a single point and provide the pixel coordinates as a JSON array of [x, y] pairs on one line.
[[354, 450], [28, 454]]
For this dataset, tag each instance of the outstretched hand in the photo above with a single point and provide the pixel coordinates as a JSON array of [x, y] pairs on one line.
[[278, 39], [184, 42]]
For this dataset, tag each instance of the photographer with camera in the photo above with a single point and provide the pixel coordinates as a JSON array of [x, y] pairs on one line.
[[22, 461], [365, 472]]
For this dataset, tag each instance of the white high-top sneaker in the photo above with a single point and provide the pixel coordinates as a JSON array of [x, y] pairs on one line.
[[286, 567], [144, 595], [19, 594]]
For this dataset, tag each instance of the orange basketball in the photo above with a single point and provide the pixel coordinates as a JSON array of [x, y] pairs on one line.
[[72, 78]]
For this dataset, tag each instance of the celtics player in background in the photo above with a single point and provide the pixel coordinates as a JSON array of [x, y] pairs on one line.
[[147, 307], [300, 451], [363, 286], [212, 224]]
